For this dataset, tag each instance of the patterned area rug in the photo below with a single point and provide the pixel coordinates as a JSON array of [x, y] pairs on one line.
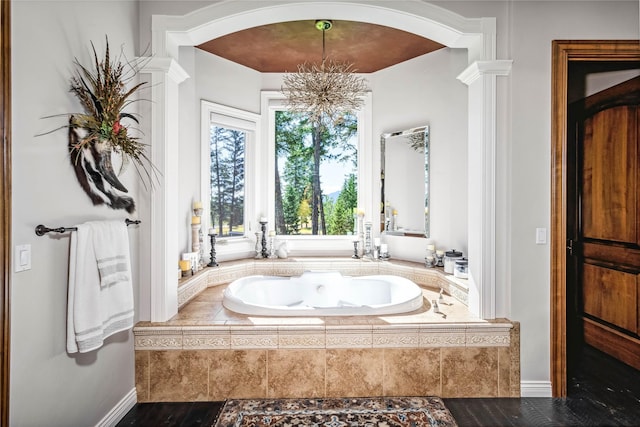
[[377, 411]]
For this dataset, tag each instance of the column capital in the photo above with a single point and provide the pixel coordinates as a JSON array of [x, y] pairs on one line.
[[498, 67]]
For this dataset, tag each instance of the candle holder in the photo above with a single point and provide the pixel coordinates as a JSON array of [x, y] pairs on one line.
[[195, 244], [258, 247], [198, 236], [367, 239], [263, 227], [213, 262], [272, 247], [355, 250]]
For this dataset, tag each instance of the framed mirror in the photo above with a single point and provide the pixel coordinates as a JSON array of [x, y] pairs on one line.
[[404, 182]]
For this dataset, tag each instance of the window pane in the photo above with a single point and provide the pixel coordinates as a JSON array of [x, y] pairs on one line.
[[227, 147], [316, 175]]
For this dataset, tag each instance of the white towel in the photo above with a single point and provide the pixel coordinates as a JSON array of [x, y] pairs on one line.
[[97, 310]]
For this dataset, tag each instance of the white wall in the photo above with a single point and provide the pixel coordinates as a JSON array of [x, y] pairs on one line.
[[48, 386], [216, 80], [421, 91], [406, 95]]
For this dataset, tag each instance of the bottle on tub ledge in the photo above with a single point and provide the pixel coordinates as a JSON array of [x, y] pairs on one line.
[[384, 252], [450, 258], [461, 268]]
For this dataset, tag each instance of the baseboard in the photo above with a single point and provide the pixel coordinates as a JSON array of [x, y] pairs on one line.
[[535, 389], [118, 412]]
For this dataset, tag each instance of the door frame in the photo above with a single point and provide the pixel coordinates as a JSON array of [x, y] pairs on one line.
[[563, 52], [5, 209]]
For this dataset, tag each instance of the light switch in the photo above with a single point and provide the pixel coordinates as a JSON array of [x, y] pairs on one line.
[[22, 258], [541, 236]]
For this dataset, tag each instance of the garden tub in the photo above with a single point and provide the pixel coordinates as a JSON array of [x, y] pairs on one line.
[[322, 293]]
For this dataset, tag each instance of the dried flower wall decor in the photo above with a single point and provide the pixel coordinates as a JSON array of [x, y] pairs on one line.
[[98, 134]]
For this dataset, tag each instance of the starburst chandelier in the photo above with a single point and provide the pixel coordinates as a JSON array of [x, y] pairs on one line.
[[324, 91]]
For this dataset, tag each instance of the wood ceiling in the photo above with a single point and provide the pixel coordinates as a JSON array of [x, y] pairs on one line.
[[279, 48]]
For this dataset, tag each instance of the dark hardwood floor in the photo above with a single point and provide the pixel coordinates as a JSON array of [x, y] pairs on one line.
[[602, 392]]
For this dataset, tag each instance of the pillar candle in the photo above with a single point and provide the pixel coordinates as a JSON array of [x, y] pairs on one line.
[[185, 265], [197, 205], [195, 220]]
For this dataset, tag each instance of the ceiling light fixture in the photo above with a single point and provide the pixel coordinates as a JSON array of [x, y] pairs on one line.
[[325, 91]]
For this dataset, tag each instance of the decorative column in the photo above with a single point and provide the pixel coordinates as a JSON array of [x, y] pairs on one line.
[[159, 282], [480, 77]]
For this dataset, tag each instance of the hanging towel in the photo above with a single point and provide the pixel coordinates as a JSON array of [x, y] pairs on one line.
[[99, 304]]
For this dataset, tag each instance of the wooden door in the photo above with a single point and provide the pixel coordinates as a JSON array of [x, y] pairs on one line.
[[606, 247]]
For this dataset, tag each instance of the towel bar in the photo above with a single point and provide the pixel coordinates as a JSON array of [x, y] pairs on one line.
[[41, 230]]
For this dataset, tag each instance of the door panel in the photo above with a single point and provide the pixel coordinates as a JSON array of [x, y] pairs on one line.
[[609, 176], [610, 295]]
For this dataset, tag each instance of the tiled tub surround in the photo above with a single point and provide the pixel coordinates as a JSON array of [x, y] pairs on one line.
[[209, 353]]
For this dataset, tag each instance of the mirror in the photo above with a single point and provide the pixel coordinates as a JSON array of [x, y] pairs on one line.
[[404, 176]]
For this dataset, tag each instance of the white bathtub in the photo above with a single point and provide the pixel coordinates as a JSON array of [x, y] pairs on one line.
[[322, 294]]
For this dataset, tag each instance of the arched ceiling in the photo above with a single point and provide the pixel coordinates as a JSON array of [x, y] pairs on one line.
[[281, 47]]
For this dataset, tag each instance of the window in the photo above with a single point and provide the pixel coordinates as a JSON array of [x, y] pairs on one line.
[[315, 175], [228, 135], [227, 183], [346, 163]]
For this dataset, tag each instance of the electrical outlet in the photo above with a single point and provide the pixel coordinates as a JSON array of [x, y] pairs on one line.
[[541, 236]]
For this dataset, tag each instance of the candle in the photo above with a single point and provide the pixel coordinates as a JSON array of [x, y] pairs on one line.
[[212, 231], [384, 248], [263, 219], [395, 212], [440, 253], [376, 241], [197, 205], [272, 233], [431, 248], [360, 212], [185, 265], [195, 220]]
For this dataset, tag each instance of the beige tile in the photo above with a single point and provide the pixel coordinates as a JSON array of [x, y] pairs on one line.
[[396, 337], [515, 359], [211, 294], [178, 376], [504, 372], [215, 337], [470, 372], [198, 310], [304, 337], [296, 373], [411, 372], [237, 374], [349, 336], [142, 375], [354, 372]]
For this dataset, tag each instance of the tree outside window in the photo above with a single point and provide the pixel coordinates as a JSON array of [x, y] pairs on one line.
[[315, 175], [227, 172]]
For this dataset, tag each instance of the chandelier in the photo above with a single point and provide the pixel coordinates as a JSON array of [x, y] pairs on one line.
[[324, 91]]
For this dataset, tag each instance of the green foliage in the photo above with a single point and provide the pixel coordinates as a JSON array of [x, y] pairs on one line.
[[304, 147], [341, 218], [227, 179]]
